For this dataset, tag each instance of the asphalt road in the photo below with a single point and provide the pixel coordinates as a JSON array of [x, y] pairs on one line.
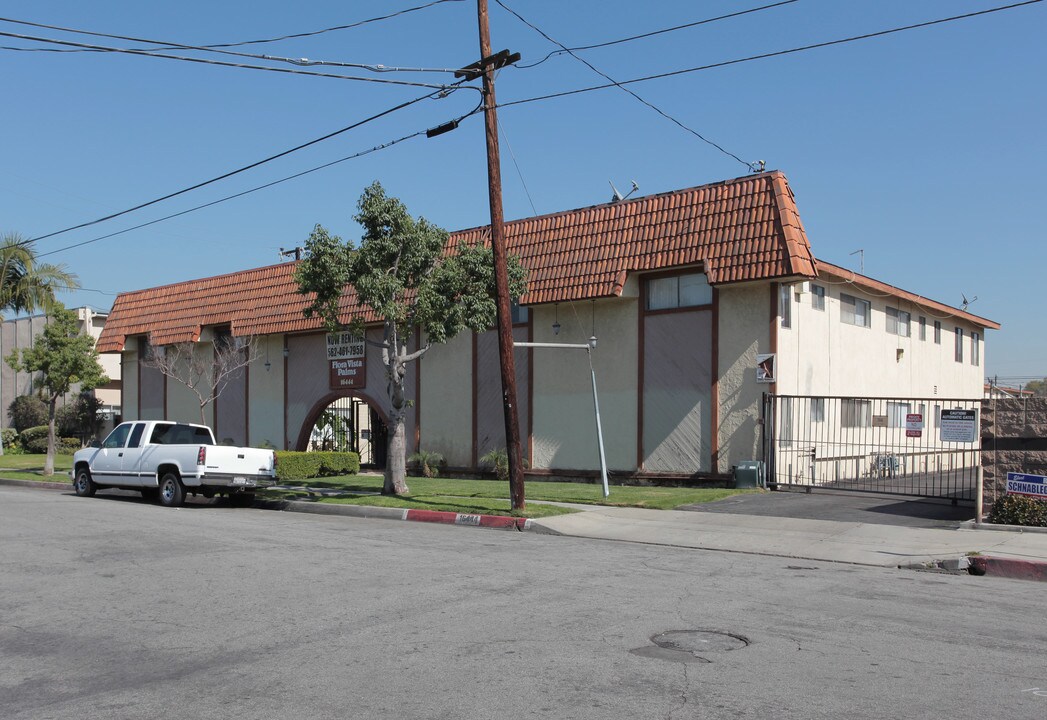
[[114, 608]]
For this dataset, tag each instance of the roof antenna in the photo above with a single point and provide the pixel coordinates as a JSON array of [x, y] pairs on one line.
[[758, 167], [861, 259], [967, 302], [617, 196]]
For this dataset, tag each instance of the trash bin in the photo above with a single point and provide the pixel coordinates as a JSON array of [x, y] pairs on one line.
[[749, 474]]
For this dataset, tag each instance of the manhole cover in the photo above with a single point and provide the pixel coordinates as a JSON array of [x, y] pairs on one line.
[[691, 646], [699, 642]]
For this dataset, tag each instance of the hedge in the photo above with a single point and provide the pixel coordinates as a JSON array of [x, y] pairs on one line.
[[64, 445], [291, 465], [1019, 510]]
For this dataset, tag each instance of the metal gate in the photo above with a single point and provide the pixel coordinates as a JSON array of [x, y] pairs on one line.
[[926, 447]]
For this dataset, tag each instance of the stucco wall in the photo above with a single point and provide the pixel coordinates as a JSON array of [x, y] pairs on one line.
[[446, 405], [490, 408], [265, 421], [129, 373], [564, 425], [821, 355], [677, 390], [744, 331]]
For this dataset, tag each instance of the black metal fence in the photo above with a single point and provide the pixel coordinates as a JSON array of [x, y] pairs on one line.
[[927, 447]]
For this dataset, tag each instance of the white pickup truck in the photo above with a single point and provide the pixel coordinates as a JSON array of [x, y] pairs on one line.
[[165, 460]]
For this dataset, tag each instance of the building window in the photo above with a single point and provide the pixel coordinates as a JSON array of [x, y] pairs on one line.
[[785, 305], [817, 409], [896, 412], [976, 350], [518, 312], [785, 433], [959, 344], [855, 413], [937, 332], [817, 297], [937, 416], [854, 311], [677, 291], [923, 328], [898, 322]]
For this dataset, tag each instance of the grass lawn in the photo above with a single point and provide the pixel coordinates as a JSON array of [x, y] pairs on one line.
[[31, 467], [432, 491]]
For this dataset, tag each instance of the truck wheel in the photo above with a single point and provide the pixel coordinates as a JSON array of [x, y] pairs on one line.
[[83, 485], [172, 494]]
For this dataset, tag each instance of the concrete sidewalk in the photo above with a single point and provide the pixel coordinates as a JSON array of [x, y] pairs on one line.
[[847, 542]]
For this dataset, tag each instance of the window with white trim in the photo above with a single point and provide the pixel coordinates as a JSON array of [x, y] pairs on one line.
[[959, 344], [937, 332], [785, 305], [976, 350], [923, 328], [896, 412], [855, 311], [855, 413], [817, 410]]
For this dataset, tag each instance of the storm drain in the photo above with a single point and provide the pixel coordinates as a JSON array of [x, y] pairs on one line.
[[690, 646]]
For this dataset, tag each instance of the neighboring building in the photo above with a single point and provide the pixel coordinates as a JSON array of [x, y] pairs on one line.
[[20, 333], [999, 392], [702, 299]]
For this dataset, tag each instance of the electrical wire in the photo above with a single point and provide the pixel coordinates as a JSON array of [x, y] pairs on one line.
[[764, 56], [170, 45], [362, 153], [751, 166], [288, 37], [655, 32], [221, 63], [251, 166]]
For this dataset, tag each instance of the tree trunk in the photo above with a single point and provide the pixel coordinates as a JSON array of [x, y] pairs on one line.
[[396, 458], [49, 463]]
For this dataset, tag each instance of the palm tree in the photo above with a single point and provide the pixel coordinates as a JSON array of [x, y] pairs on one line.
[[25, 285]]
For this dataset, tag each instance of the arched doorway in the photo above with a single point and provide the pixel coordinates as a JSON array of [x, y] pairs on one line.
[[347, 422]]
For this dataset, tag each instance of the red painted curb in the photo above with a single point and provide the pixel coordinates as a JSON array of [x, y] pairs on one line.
[[1009, 568], [450, 518]]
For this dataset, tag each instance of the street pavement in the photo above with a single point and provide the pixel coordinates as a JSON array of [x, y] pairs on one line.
[[943, 544]]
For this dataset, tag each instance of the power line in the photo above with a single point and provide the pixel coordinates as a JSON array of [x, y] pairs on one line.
[[656, 32], [285, 37], [239, 170], [170, 45], [764, 56], [204, 61], [627, 90], [368, 151]]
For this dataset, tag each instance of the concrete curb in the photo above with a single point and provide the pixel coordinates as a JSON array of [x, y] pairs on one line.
[[1008, 568], [500, 522], [972, 525], [67, 485]]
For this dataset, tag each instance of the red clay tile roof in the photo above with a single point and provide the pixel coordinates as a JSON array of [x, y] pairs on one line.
[[738, 230], [877, 287]]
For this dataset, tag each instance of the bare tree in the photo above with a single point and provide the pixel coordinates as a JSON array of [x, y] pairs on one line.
[[205, 374]]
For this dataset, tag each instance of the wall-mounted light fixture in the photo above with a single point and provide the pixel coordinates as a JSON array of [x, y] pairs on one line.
[[268, 364]]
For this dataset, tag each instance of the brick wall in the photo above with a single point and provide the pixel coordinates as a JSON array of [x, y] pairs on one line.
[[1014, 439]]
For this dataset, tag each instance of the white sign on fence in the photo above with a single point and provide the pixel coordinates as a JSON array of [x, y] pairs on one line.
[[959, 425]]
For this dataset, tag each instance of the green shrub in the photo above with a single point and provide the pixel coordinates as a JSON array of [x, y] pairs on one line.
[[1019, 510], [428, 463], [69, 445], [31, 435], [291, 465], [9, 437], [62, 445], [498, 460], [27, 411]]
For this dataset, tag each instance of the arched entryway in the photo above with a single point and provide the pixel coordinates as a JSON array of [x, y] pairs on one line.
[[347, 422]]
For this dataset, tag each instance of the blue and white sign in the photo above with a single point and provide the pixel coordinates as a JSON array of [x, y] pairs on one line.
[[1025, 484]]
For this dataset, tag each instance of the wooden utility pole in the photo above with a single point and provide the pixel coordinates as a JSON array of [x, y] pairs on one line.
[[501, 275]]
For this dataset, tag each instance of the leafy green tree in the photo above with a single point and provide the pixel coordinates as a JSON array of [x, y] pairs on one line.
[[403, 271], [1037, 387], [25, 285], [63, 356], [79, 418]]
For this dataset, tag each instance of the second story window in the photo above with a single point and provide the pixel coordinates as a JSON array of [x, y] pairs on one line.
[[937, 332], [678, 291], [959, 344], [817, 297], [785, 305], [923, 328], [854, 311], [898, 322], [976, 349]]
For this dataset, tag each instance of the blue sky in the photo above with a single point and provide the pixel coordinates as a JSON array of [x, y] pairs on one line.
[[923, 148]]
